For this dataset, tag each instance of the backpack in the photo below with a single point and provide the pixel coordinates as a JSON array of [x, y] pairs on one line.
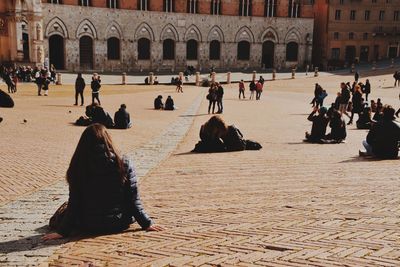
[[234, 139]]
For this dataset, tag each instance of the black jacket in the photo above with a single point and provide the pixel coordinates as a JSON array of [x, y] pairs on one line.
[[319, 125], [338, 129], [95, 85], [384, 137], [122, 119], [102, 204], [80, 84], [169, 104]]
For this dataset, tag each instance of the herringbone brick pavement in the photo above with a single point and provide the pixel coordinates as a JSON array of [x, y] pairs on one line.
[[289, 204]]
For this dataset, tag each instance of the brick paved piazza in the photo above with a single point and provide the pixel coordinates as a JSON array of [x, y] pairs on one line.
[[289, 204]]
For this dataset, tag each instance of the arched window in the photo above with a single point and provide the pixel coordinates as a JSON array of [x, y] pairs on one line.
[[245, 7], [292, 51], [113, 48], [215, 50], [191, 50], [143, 48], [243, 50], [86, 52], [168, 49]]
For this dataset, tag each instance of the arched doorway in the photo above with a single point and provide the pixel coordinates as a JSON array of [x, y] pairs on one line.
[[56, 51], [86, 52], [268, 52], [25, 46]]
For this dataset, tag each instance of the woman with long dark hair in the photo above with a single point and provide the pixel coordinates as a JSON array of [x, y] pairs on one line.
[[103, 194]]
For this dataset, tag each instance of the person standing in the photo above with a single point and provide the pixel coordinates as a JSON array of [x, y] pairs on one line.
[[212, 98], [367, 89], [79, 87], [95, 85], [39, 82], [241, 89], [396, 77], [220, 96], [259, 89], [344, 99], [356, 76], [357, 103], [179, 85], [252, 87]]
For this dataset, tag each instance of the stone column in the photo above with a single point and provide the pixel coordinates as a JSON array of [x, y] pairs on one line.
[[273, 74], [254, 75], [352, 68], [374, 65], [197, 78], [151, 78], [59, 81], [124, 78], [228, 78], [293, 73]]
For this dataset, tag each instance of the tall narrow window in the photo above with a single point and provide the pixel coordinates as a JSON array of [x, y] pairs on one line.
[[169, 49], [143, 5], [192, 6], [143, 49], [243, 50], [367, 14], [112, 4], [245, 7], [215, 50], [352, 15], [113, 48], [396, 15], [54, 1], [191, 50], [215, 8], [336, 35], [169, 5], [337, 14], [382, 15], [270, 8], [292, 51], [335, 53], [294, 9], [351, 35], [85, 2]]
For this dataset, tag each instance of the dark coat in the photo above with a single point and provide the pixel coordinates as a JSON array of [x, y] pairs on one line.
[[384, 137], [169, 104], [99, 115], [95, 85], [319, 125], [357, 102], [101, 204], [367, 88], [338, 129], [122, 119], [158, 104], [345, 96], [80, 84], [220, 93]]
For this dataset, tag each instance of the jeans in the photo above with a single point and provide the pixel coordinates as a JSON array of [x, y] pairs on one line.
[[211, 102], [241, 92], [95, 96], [77, 93]]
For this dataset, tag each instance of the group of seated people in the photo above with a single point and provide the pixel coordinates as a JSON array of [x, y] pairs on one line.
[[169, 103], [96, 114], [216, 136]]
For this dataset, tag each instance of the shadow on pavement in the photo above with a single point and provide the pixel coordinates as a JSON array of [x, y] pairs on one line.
[[360, 159], [194, 115]]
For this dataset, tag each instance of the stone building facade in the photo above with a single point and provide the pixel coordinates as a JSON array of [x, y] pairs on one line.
[[116, 35], [351, 31]]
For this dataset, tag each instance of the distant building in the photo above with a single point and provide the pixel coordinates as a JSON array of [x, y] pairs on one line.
[[157, 34], [349, 31]]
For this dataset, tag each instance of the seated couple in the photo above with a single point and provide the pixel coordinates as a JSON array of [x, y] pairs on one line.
[[103, 193], [169, 103], [383, 139], [320, 122], [216, 136], [96, 114]]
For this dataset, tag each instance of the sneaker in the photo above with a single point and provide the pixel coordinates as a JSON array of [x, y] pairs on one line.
[[362, 153]]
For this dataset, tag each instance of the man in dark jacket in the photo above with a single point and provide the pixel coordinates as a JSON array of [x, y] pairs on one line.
[[384, 137], [320, 122], [95, 85], [158, 104], [122, 118], [79, 87]]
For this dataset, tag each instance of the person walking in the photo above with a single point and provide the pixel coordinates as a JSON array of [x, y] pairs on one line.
[[259, 89], [39, 82], [179, 83], [357, 103], [344, 99], [241, 89], [95, 85], [103, 190], [356, 76], [220, 96], [79, 87]]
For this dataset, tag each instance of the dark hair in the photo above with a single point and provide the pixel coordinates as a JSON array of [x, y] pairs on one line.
[[215, 127], [388, 113], [93, 135], [123, 106]]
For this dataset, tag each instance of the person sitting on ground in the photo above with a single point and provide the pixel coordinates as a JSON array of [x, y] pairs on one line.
[[158, 104], [373, 106], [5, 100], [103, 193], [169, 103], [97, 114], [155, 81], [365, 121], [320, 122], [216, 136], [384, 137], [122, 118], [378, 114], [338, 128]]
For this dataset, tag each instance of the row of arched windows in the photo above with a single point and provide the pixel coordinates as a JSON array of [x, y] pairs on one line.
[[143, 48]]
